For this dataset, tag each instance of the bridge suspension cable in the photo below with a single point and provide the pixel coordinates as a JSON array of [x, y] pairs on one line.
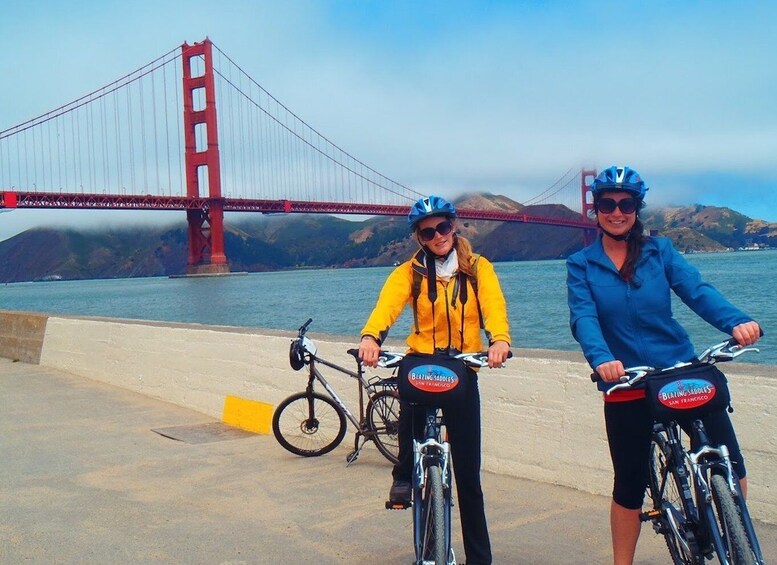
[[278, 154], [562, 191], [114, 139]]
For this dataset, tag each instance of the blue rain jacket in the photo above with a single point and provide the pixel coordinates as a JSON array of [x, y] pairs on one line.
[[633, 322]]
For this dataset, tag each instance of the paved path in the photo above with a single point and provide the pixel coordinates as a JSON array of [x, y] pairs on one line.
[[83, 479]]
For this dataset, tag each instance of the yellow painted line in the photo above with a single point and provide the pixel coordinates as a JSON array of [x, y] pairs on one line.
[[250, 415]]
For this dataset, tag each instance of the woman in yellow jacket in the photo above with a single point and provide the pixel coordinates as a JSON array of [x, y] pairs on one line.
[[437, 283]]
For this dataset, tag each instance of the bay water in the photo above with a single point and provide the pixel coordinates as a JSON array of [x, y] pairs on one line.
[[339, 300]]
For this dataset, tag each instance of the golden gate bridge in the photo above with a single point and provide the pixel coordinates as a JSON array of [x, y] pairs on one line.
[[152, 140]]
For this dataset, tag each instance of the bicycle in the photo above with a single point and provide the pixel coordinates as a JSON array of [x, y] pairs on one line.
[[432, 478], [697, 501], [310, 424]]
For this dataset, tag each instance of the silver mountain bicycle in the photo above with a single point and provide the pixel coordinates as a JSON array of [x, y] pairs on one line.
[[432, 479], [310, 423], [697, 502]]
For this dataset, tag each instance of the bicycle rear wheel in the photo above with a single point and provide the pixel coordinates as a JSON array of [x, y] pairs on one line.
[[383, 420], [668, 479], [432, 541], [308, 424], [729, 519]]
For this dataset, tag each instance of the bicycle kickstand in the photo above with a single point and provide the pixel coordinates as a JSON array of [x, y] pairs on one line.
[[357, 449]]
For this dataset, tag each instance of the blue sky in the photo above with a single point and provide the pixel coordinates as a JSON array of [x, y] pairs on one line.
[[448, 96]]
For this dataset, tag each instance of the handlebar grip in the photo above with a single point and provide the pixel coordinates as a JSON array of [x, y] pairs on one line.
[[595, 378], [305, 325]]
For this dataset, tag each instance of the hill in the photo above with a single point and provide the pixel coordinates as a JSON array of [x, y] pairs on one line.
[[311, 241]]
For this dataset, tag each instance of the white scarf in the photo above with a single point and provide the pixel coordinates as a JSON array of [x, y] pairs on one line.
[[447, 268]]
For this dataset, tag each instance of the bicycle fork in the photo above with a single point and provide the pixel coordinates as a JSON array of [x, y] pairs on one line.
[[425, 450], [431, 456]]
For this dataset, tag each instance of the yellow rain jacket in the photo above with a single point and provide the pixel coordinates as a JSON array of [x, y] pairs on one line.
[[444, 331]]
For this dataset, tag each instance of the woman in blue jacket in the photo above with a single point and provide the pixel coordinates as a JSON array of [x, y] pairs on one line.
[[621, 314]]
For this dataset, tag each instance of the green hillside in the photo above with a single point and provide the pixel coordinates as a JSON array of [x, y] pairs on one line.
[[266, 243]]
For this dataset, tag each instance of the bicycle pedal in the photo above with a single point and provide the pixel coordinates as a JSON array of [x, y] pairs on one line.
[[649, 515], [398, 505]]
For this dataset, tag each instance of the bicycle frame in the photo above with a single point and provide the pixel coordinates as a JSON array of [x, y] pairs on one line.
[[316, 375], [297, 423]]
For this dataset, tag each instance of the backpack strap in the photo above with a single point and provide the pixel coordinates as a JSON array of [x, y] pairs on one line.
[[419, 272], [473, 279]]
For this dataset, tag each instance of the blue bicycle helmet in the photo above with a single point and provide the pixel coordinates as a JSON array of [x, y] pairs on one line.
[[619, 178], [430, 206]]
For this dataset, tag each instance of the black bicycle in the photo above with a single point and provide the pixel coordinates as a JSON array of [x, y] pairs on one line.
[[697, 501], [432, 478], [310, 424]]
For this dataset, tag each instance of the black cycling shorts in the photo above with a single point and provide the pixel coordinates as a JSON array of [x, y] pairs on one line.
[[629, 427]]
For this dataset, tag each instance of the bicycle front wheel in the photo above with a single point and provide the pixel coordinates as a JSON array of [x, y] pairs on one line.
[[668, 479], [383, 420], [732, 528], [432, 540], [308, 424]]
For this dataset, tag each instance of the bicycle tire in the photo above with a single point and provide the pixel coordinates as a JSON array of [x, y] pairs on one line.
[[669, 502], [383, 421], [434, 546], [729, 520], [308, 424]]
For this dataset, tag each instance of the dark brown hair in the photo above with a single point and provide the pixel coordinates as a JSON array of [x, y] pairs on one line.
[[635, 242]]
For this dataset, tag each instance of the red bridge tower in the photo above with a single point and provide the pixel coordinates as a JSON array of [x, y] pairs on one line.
[[206, 223]]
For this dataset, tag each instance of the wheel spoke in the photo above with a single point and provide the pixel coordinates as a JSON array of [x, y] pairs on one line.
[[383, 420], [672, 513], [308, 425]]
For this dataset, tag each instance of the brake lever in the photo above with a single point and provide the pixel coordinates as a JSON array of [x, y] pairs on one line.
[[730, 351], [628, 382], [739, 350]]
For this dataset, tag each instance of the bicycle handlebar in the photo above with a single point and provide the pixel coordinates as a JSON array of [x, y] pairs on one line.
[[391, 359], [304, 327], [721, 352]]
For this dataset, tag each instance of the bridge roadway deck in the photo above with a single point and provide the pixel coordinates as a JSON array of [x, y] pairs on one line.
[[83, 479]]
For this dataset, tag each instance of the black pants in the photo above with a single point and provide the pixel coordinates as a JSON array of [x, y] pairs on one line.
[[463, 425], [629, 428]]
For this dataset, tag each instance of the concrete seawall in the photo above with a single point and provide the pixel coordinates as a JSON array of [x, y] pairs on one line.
[[21, 335], [542, 420]]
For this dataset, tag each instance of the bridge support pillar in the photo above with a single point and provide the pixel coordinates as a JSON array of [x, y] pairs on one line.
[[206, 224], [587, 177]]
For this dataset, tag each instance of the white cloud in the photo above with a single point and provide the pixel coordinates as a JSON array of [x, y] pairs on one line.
[[458, 97]]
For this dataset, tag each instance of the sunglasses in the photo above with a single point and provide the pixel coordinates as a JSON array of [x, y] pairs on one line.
[[443, 228], [608, 205]]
